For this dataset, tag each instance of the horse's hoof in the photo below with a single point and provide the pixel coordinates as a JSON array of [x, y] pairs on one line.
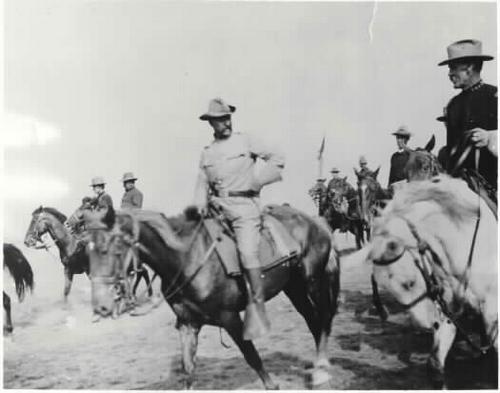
[[272, 386], [320, 378]]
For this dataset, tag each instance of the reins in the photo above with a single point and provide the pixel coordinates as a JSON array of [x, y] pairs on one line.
[[427, 261]]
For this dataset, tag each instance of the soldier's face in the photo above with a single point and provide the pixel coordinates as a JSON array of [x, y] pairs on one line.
[[222, 126], [98, 189], [128, 185], [460, 74], [401, 142]]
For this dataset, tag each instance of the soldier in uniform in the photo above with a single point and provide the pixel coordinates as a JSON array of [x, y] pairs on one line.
[[318, 194], [399, 158], [102, 200], [364, 170], [336, 182], [132, 198], [228, 180], [471, 116]]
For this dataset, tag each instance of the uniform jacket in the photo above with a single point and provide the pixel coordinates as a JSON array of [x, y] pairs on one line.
[[230, 165], [398, 163], [474, 107], [132, 199], [103, 201]]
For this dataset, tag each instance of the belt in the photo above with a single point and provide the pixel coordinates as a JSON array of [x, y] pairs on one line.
[[243, 194]]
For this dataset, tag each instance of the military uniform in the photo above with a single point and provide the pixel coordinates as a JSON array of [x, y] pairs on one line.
[[103, 201], [473, 107], [228, 178], [398, 163], [132, 199]]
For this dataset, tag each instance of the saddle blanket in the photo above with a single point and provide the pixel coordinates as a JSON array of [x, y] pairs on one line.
[[276, 245]]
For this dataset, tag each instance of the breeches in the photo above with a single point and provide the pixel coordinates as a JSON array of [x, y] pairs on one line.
[[244, 215]]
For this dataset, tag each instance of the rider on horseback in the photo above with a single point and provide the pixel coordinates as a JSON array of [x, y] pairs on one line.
[[471, 117], [318, 194], [227, 179]]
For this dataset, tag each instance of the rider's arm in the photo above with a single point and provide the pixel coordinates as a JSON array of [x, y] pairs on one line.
[[201, 188], [275, 161], [485, 138]]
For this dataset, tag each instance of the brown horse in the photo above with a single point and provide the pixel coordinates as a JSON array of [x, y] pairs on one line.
[[71, 249], [197, 288], [20, 270], [422, 164], [341, 211]]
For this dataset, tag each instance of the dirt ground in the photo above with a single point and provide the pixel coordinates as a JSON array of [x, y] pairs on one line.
[[56, 346]]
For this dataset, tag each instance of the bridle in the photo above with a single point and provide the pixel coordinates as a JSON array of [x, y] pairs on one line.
[[427, 262], [121, 282], [121, 279]]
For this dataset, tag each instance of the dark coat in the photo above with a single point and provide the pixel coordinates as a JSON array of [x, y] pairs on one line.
[[103, 201], [398, 163], [474, 107]]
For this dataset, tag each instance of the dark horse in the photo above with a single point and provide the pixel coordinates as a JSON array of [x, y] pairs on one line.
[[20, 270], [197, 288], [71, 249], [341, 211]]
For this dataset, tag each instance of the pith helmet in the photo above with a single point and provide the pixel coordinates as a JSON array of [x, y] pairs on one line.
[[97, 181], [362, 160], [335, 170], [402, 131], [217, 108], [465, 49], [128, 176]]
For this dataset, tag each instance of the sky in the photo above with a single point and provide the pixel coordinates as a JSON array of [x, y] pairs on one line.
[[99, 88]]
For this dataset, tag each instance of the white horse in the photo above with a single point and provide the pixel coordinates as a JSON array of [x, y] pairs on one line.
[[434, 248]]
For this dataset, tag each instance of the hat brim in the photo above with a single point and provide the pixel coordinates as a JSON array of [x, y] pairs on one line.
[[95, 185], [131, 179], [441, 118], [479, 57], [400, 134], [214, 115]]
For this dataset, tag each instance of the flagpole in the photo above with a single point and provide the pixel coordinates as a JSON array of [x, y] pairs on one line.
[[321, 159]]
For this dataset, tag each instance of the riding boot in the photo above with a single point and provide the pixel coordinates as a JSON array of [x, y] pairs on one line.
[[256, 323]]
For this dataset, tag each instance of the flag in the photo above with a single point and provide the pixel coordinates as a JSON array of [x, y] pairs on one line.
[[321, 149]]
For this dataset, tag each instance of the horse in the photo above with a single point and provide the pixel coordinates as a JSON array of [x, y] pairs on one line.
[[341, 211], [71, 249], [422, 164], [434, 248], [199, 291], [371, 197], [20, 270]]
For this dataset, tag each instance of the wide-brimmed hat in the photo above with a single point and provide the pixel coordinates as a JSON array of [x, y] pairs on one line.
[[128, 176], [402, 131], [465, 49], [334, 170], [217, 108], [97, 181]]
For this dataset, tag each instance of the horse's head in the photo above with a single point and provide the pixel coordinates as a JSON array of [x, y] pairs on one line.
[[422, 164], [369, 191], [394, 253], [110, 249], [43, 220]]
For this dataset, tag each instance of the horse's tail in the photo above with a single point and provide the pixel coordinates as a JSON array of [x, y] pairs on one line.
[[19, 268]]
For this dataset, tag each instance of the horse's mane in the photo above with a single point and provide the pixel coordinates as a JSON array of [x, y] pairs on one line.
[[453, 196], [52, 210]]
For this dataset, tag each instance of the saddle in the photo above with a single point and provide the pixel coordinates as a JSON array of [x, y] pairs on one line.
[[276, 246]]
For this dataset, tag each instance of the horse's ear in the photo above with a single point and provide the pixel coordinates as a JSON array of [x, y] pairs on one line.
[[430, 145], [345, 178], [375, 173]]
